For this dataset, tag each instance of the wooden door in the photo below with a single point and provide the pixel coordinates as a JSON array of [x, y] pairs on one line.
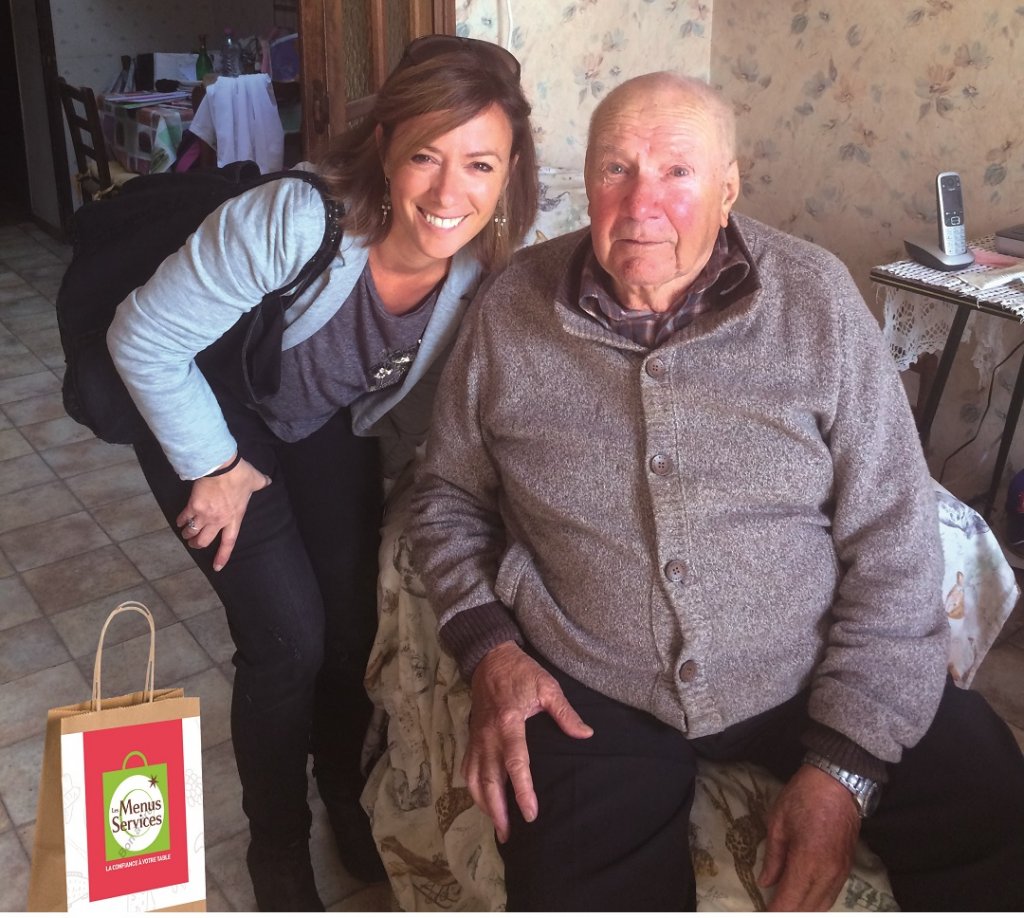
[[348, 47], [55, 117]]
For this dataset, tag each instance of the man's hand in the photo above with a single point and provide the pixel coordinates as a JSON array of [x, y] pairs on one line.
[[812, 831], [216, 507], [508, 687]]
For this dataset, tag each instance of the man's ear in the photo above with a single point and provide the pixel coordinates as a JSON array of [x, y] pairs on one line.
[[730, 190]]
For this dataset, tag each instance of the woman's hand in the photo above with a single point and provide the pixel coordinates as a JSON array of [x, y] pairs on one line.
[[216, 507]]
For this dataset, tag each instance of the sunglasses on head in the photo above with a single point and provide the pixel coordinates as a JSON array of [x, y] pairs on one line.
[[430, 46]]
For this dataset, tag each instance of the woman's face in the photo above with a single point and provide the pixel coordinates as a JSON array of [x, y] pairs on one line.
[[447, 191]]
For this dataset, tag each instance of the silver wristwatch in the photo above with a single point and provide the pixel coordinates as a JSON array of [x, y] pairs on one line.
[[865, 792]]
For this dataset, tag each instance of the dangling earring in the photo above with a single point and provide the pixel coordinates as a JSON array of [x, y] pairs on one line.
[[385, 202], [500, 220]]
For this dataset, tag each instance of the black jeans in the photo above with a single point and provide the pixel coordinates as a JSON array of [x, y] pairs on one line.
[[300, 595], [613, 827]]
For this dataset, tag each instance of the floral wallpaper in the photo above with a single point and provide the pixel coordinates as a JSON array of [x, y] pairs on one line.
[[573, 52], [847, 112]]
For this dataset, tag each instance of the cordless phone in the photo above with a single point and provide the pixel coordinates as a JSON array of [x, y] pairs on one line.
[[951, 253], [950, 205]]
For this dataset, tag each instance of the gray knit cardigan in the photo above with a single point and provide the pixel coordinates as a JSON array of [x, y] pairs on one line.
[[703, 529]]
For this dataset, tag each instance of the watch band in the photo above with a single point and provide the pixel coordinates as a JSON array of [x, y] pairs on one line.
[[866, 792]]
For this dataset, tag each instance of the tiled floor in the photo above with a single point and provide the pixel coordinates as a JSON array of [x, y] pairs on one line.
[[79, 533]]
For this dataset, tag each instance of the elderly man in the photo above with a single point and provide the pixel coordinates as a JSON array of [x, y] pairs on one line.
[[673, 507]]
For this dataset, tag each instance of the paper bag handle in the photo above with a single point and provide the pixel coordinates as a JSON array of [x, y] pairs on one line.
[[97, 694]]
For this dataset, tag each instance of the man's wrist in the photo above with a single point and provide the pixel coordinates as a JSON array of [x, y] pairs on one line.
[[865, 791], [843, 751], [469, 635]]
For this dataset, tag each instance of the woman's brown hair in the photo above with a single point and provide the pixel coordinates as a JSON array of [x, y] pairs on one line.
[[454, 87]]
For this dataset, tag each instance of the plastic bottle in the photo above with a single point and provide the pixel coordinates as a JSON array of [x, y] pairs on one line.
[[204, 63], [230, 56]]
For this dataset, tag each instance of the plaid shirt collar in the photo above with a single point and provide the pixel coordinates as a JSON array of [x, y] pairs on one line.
[[716, 287]]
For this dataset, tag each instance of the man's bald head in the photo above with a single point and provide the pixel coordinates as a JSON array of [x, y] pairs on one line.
[[661, 181], [648, 88]]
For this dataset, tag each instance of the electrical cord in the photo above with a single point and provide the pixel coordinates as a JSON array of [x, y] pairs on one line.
[[988, 404]]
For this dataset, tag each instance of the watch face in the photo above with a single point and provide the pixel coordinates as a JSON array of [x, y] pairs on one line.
[[867, 799]]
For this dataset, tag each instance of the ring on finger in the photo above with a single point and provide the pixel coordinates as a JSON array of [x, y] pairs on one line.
[[190, 523]]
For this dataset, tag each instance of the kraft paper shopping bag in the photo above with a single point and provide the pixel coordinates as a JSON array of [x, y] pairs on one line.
[[119, 825]]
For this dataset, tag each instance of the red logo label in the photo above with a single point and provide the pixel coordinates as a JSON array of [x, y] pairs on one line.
[[105, 752]]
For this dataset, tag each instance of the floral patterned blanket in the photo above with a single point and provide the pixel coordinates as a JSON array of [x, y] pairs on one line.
[[439, 849]]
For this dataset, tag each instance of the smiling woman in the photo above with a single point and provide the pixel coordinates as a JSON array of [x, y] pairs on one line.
[[442, 197], [280, 501], [448, 91]]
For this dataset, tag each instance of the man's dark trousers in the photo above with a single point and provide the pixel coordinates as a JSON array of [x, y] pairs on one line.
[[612, 832]]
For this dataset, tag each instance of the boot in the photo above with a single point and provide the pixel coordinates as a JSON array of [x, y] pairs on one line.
[[351, 827], [282, 877]]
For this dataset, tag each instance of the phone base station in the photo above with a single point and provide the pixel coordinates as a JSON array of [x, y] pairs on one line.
[[931, 256]]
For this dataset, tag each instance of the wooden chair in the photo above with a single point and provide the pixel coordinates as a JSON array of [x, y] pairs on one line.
[[98, 176]]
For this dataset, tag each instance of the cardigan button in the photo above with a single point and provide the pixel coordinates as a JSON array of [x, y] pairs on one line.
[[688, 671], [661, 464], [656, 368], [675, 570]]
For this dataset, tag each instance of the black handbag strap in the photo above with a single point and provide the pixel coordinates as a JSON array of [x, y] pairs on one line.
[[329, 245], [256, 337]]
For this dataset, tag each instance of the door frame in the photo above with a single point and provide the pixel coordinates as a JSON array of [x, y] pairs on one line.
[[54, 115], [326, 108]]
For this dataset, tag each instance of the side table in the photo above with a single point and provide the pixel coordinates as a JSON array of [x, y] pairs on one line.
[[1006, 302]]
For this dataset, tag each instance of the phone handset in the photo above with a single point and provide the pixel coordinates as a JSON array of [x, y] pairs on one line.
[[949, 252], [950, 205]]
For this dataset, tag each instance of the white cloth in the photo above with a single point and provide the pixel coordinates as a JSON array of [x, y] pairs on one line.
[[238, 118], [914, 325]]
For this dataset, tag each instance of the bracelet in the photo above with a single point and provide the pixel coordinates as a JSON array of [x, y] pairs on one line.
[[227, 468]]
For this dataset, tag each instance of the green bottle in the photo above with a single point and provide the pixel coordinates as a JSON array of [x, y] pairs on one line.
[[204, 63]]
